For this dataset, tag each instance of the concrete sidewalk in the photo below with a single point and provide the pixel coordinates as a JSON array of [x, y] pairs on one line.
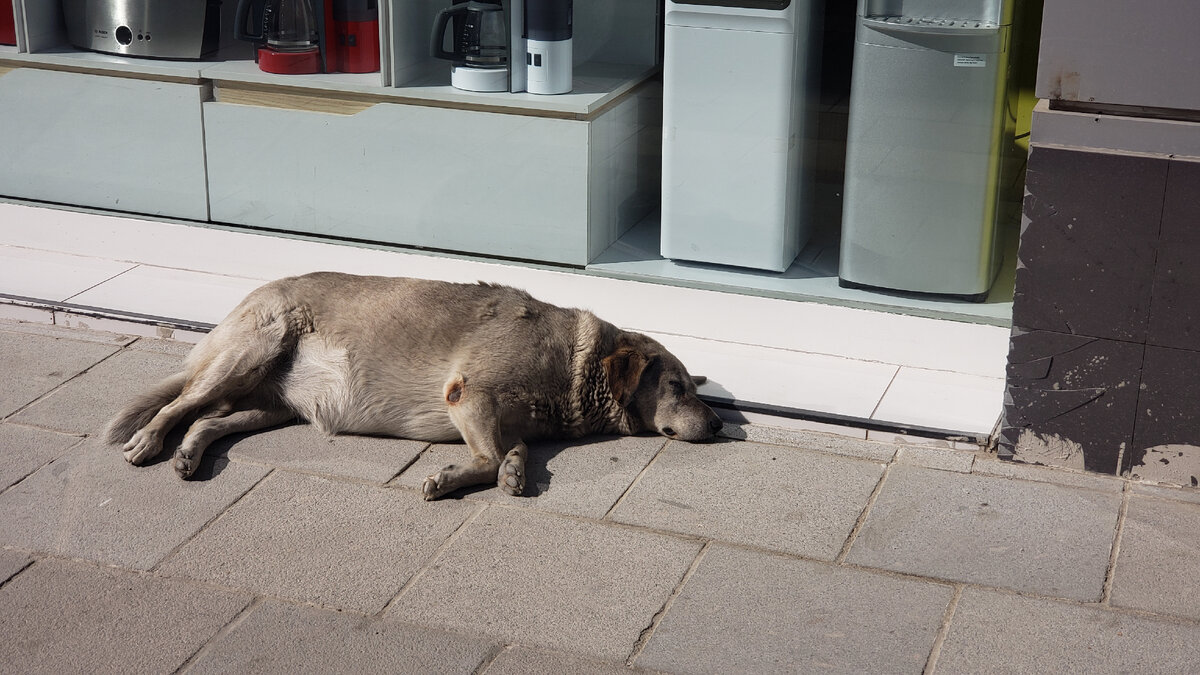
[[294, 552]]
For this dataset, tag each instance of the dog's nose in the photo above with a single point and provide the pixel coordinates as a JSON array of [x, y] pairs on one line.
[[715, 424]]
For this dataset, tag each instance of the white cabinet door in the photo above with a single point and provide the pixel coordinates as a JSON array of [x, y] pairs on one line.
[[107, 142], [501, 185]]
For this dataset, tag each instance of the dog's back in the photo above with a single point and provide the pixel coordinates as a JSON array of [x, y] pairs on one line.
[[374, 354]]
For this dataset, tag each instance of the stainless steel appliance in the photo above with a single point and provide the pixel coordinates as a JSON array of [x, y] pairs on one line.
[[925, 145], [479, 44], [168, 29], [740, 80]]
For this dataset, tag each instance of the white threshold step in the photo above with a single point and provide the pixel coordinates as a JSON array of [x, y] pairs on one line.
[[790, 364]]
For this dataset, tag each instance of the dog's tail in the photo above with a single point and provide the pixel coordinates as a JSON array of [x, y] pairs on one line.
[[143, 409]]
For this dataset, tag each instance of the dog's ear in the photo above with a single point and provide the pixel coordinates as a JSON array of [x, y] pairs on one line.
[[624, 370]]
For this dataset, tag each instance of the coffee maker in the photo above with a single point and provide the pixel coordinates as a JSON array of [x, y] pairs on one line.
[[506, 45], [479, 44], [311, 36]]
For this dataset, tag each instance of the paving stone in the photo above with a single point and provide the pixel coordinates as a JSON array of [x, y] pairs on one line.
[[833, 443], [582, 477], [34, 364], [173, 347], [1158, 564], [909, 441], [323, 542], [1034, 537], [549, 581], [300, 447], [11, 562], [275, 637], [943, 459], [70, 617], [993, 632], [79, 335], [519, 660], [92, 504], [24, 449], [754, 612], [780, 498], [1186, 494], [989, 466], [87, 403]]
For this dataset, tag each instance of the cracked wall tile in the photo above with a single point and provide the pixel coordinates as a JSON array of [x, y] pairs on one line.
[[1077, 409], [1086, 258], [1166, 440]]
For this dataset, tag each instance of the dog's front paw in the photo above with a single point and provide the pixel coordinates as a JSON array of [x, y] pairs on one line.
[[511, 477], [434, 486], [429, 489], [141, 447], [185, 465]]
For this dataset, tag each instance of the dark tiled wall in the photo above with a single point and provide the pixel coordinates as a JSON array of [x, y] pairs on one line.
[[1104, 361]]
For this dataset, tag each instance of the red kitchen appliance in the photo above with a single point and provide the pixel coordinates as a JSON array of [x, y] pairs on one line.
[[8, 25], [356, 25], [311, 36]]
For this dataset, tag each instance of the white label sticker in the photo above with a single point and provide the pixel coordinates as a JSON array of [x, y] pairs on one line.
[[970, 60]]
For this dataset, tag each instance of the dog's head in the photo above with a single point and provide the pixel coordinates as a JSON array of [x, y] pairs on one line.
[[656, 390]]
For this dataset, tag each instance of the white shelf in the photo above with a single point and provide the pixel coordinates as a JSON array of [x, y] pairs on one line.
[[83, 60], [597, 84], [247, 71]]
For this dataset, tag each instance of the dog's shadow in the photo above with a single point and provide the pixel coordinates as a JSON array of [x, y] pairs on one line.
[[539, 476]]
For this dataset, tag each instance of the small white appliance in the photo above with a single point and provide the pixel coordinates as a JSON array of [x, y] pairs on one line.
[[740, 92], [548, 46]]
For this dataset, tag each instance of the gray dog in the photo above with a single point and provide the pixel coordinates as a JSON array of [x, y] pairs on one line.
[[424, 360]]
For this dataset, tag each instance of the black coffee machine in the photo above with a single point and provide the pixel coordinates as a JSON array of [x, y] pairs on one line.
[[507, 45], [479, 44]]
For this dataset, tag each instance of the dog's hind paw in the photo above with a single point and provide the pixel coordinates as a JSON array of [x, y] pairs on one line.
[[511, 477], [141, 447]]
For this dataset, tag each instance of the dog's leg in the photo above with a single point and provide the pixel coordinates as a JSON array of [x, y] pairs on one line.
[[474, 414], [218, 376], [223, 421], [511, 476]]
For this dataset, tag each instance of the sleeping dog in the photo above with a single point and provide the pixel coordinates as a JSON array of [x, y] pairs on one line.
[[424, 360]]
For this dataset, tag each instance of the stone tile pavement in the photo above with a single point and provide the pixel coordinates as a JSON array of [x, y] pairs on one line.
[[292, 552]]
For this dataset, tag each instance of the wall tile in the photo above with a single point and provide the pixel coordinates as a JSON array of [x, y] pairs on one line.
[[1070, 400], [1166, 440], [1086, 260], [1175, 301]]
